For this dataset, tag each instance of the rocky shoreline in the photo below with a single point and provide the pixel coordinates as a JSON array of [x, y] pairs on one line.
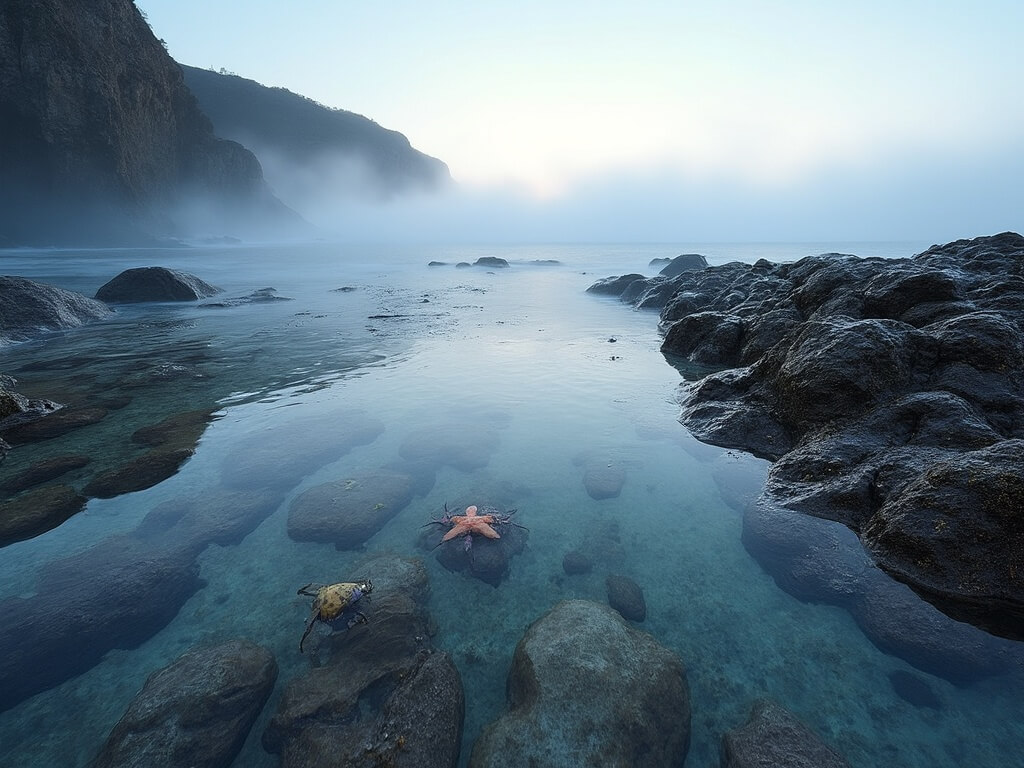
[[888, 392]]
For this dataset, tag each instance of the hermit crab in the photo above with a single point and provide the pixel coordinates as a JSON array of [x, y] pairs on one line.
[[334, 605]]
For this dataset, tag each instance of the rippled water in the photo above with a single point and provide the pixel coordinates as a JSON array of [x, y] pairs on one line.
[[524, 353]]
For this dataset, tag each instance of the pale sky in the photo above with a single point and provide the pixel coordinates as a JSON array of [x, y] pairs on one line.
[[771, 98]]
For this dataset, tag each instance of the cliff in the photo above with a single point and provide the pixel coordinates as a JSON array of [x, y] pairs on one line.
[[308, 149], [100, 139]]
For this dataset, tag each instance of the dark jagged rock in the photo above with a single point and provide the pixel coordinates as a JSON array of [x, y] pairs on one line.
[[348, 512], [38, 511], [871, 382], [29, 309], [491, 261], [774, 737], [586, 689], [195, 712], [626, 597], [115, 594], [44, 471], [154, 284], [686, 262], [382, 697], [103, 142], [614, 286], [140, 473]]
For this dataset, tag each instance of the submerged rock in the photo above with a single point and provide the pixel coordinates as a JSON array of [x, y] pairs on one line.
[[464, 445], [261, 296], [115, 594], [154, 284], [604, 481], [37, 512], [348, 512], [586, 689], [138, 474], [44, 471], [626, 597], [481, 557], [914, 690], [29, 309], [774, 737], [383, 697], [53, 424], [575, 563], [195, 712]]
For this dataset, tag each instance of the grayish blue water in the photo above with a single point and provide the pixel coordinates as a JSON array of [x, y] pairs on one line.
[[524, 351]]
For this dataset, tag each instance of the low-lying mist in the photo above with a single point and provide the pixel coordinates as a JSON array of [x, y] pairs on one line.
[[905, 197]]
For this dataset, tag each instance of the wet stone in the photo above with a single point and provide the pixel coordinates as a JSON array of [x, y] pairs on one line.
[[348, 512], [626, 597], [195, 712], [138, 474], [772, 736], [54, 424], [38, 511], [44, 471]]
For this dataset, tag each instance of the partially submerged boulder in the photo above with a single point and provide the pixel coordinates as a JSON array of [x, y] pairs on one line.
[[29, 309], [195, 712], [37, 511], [586, 689], [154, 284]]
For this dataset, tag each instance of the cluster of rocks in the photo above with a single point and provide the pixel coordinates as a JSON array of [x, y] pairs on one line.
[[122, 590], [602, 544], [889, 393], [494, 262]]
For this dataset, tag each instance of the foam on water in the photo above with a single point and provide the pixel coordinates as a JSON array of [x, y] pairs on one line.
[[526, 353]]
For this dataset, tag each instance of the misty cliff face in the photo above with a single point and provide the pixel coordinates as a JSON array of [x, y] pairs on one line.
[[308, 149], [100, 139]]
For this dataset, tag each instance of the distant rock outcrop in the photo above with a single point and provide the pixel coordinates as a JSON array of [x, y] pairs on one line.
[[307, 148], [154, 284], [102, 141]]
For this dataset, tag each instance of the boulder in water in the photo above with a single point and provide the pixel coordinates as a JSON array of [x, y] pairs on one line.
[[154, 284]]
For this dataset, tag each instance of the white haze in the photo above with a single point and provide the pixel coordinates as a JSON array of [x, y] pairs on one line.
[[902, 196]]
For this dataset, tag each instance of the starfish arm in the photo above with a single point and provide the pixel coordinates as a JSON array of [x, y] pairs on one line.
[[458, 530], [487, 531]]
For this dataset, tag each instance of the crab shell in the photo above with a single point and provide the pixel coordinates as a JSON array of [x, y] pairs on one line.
[[332, 600]]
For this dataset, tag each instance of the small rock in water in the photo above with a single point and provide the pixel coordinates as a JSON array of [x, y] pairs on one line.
[[575, 563], [38, 511], [773, 736], [604, 482], [154, 284], [914, 690], [626, 597], [43, 471]]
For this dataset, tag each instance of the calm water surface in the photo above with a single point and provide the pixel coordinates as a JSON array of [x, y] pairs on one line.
[[522, 352]]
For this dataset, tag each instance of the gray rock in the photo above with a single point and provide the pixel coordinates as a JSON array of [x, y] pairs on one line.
[[687, 262], [604, 481], [774, 737], [154, 284], [196, 712], [586, 689], [348, 512], [29, 309], [44, 471], [491, 261], [382, 697], [626, 597], [52, 422], [134, 589], [575, 563], [38, 511], [614, 286], [138, 474]]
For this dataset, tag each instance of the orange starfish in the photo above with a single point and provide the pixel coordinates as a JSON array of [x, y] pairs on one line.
[[470, 523]]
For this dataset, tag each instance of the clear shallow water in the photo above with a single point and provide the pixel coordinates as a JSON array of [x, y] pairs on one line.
[[522, 351]]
